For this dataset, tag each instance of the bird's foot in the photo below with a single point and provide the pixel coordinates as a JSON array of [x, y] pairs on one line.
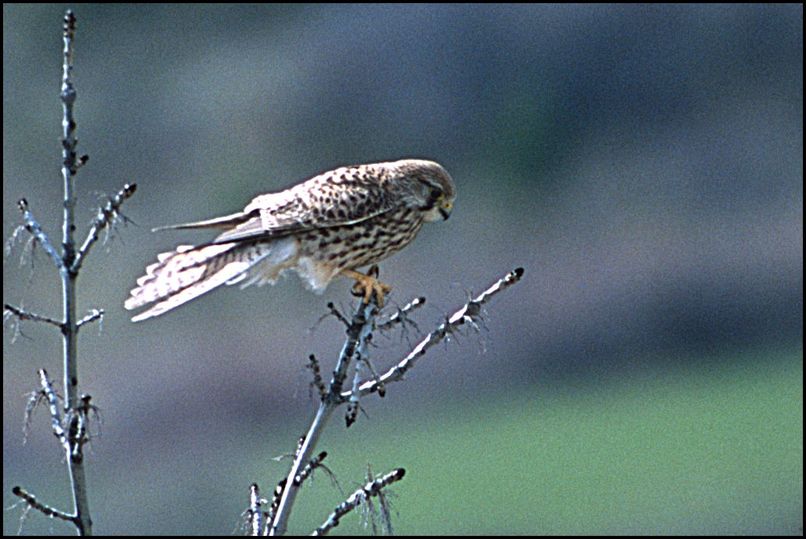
[[368, 284]]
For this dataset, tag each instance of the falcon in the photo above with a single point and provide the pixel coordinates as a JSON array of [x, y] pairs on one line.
[[322, 228]]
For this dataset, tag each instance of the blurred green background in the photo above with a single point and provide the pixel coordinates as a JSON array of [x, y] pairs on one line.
[[644, 164]]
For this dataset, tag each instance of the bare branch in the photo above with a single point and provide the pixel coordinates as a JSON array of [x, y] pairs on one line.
[[95, 314], [306, 472], [360, 496], [70, 414], [54, 404], [78, 420], [35, 229], [359, 334], [401, 315], [75, 404], [48, 511], [467, 313], [362, 359], [317, 382], [275, 503], [25, 315], [106, 214], [358, 329], [255, 513]]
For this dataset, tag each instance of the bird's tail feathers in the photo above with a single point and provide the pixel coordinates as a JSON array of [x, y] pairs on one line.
[[184, 274], [227, 221]]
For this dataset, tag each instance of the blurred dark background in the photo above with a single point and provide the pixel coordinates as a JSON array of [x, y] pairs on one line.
[[644, 164]]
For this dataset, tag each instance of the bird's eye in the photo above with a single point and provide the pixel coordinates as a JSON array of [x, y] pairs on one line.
[[435, 193]]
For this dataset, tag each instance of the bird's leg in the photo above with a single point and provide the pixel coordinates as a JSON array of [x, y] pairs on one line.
[[367, 284]]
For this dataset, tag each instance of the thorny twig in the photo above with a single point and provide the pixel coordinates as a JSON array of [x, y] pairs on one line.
[[360, 496], [32, 502], [467, 313], [70, 414], [106, 214], [359, 332]]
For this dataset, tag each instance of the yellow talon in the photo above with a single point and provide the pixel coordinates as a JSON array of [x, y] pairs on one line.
[[366, 285]]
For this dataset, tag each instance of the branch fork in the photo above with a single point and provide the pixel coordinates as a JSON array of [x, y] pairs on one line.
[[359, 335]]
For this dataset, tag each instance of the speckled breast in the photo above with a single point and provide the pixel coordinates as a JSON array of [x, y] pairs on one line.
[[367, 242]]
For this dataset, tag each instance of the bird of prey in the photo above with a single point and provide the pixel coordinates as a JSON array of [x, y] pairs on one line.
[[329, 225]]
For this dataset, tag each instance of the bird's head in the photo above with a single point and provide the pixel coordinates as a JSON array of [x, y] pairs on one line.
[[428, 187]]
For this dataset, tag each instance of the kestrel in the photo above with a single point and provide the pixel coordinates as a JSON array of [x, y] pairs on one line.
[[326, 226]]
